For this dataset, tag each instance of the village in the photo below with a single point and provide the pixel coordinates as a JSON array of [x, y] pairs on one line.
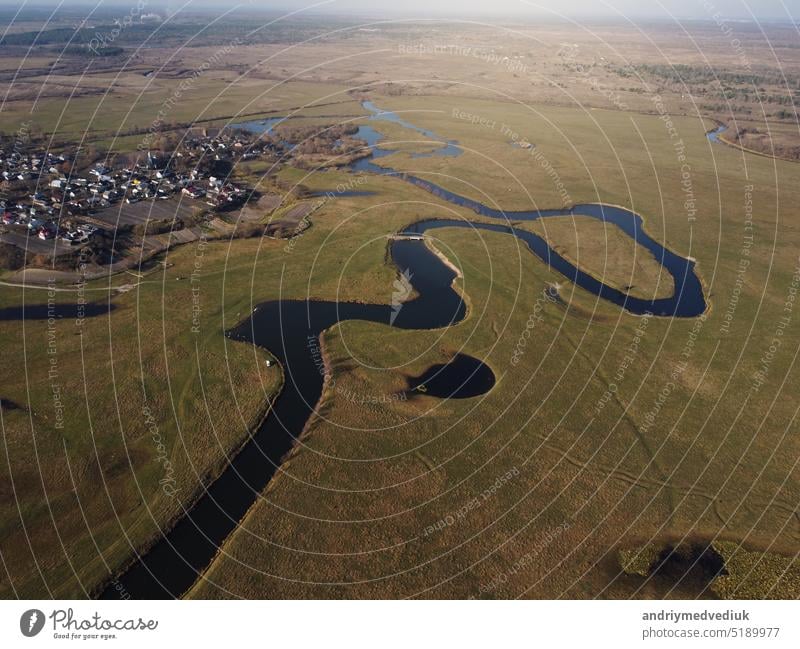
[[49, 208]]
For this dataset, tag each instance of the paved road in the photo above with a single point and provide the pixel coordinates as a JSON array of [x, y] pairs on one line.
[[17, 236]]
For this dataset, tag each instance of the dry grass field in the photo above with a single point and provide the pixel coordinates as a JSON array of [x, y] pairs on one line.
[[716, 464], [543, 487]]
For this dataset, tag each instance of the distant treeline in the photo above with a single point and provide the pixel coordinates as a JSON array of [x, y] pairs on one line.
[[241, 31], [767, 86], [56, 36], [86, 50], [689, 74]]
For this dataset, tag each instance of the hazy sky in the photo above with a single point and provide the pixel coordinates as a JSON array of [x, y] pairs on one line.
[[691, 9], [739, 9], [696, 9]]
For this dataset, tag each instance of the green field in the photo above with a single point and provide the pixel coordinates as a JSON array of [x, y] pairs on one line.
[[684, 448], [714, 462], [130, 101]]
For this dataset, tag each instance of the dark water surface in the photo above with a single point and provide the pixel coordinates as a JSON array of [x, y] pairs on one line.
[[462, 377], [291, 331]]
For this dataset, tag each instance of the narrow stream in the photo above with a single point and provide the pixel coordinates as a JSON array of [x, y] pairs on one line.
[[291, 330], [713, 135]]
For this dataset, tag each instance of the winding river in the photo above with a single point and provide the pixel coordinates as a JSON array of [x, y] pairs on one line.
[[291, 330]]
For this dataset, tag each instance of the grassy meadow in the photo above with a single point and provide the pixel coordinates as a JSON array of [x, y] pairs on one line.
[[125, 100], [690, 445], [530, 490], [607, 253]]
